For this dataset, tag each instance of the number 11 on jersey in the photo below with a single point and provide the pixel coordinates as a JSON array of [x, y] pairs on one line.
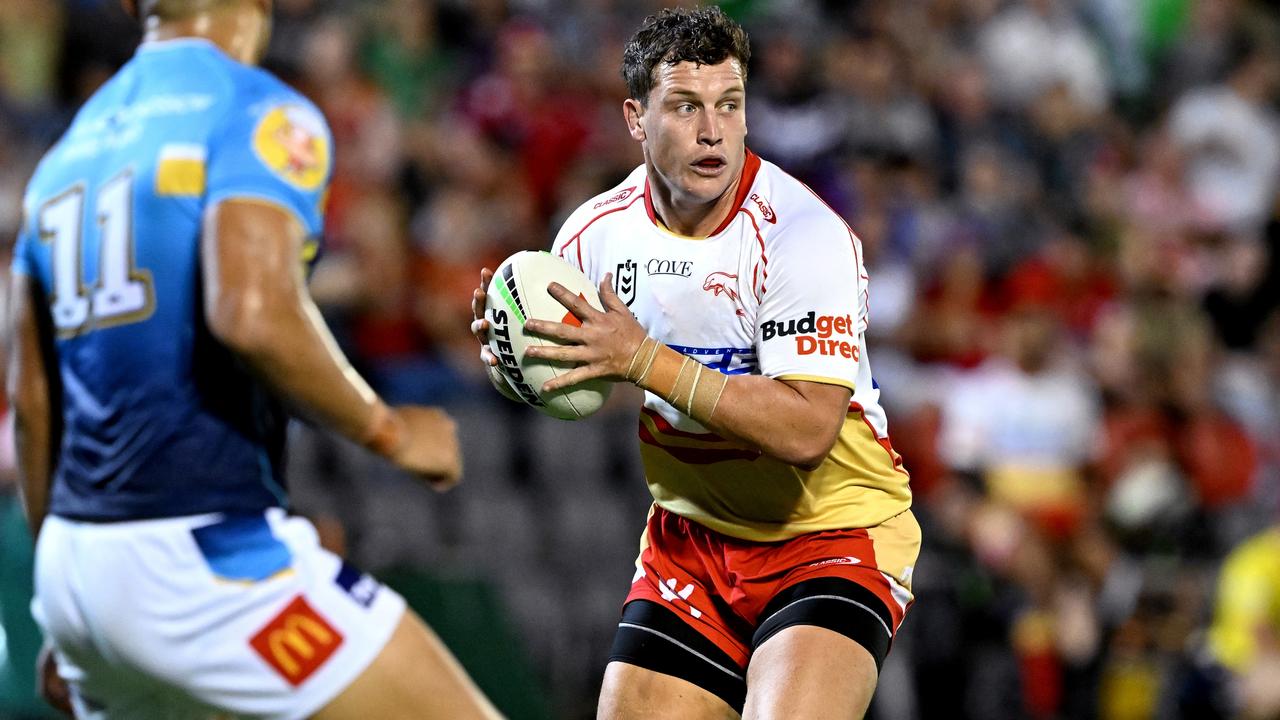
[[123, 293]]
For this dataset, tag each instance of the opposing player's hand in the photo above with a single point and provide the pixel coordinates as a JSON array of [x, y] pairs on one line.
[[429, 446], [479, 325], [602, 346], [49, 684]]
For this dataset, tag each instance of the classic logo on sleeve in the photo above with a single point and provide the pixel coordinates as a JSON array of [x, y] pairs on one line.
[[292, 142], [617, 197], [816, 334], [766, 210], [296, 642]]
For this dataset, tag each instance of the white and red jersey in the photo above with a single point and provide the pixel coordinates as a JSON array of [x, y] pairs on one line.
[[779, 290]]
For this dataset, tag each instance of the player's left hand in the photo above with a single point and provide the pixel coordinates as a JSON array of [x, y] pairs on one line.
[[479, 325], [602, 346], [49, 684]]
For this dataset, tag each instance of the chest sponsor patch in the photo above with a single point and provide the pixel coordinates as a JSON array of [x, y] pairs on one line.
[[728, 360], [291, 141], [659, 266], [296, 642]]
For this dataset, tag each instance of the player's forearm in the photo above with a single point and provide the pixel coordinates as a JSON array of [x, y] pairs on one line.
[[772, 416], [763, 413], [256, 303], [30, 400], [292, 350], [32, 436]]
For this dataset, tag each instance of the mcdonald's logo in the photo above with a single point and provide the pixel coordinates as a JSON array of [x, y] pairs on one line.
[[296, 642]]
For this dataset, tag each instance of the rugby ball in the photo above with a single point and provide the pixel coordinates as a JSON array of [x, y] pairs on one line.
[[517, 293]]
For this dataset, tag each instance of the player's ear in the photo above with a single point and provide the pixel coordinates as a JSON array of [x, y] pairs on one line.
[[633, 111]]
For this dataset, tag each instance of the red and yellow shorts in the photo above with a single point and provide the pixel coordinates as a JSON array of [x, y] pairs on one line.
[[701, 601]]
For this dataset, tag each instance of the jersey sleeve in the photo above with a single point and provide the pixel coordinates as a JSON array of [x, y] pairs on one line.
[[812, 313], [276, 147], [566, 243]]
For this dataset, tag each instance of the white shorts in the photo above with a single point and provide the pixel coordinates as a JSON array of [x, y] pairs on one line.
[[199, 616]]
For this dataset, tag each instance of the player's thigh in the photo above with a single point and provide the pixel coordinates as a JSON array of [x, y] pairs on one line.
[[415, 677], [805, 671], [631, 692], [665, 663]]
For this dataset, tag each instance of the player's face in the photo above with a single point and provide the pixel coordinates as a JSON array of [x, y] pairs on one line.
[[694, 129]]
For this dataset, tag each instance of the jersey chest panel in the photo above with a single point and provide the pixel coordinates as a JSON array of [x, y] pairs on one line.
[[698, 296]]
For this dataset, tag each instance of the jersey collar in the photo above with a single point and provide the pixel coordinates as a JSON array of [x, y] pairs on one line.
[[150, 46], [750, 167]]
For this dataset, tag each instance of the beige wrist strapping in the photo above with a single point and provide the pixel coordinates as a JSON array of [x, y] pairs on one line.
[[642, 360], [688, 385]]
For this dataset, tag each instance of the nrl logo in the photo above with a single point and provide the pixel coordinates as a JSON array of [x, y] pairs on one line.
[[624, 281]]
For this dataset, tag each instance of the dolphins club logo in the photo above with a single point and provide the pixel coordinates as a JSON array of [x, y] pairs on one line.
[[722, 283]]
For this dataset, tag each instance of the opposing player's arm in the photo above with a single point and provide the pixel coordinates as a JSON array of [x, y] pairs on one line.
[[256, 303], [30, 398], [269, 164]]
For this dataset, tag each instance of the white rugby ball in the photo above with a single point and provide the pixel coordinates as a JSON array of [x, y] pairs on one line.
[[517, 293]]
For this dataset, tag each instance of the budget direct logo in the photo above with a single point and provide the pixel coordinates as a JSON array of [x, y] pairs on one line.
[[296, 642], [815, 334]]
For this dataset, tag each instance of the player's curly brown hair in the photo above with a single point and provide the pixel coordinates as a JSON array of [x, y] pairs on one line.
[[705, 36]]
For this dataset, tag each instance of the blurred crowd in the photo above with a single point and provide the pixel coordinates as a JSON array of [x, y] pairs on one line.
[[1069, 211]]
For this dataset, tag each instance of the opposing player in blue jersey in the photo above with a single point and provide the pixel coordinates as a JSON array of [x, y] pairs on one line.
[[161, 324]]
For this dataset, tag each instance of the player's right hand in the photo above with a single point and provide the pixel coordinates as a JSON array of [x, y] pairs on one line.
[[49, 684], [480, 326], [428, 445]]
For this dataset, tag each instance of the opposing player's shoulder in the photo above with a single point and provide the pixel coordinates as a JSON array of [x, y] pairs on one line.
[[287, 132], [256, 87]]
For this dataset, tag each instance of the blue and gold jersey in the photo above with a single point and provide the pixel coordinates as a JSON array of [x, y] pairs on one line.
[[158, 418]]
